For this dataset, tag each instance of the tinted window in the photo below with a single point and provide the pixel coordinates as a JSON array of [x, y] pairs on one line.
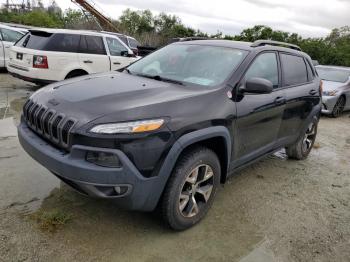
[[124, 39], [92, 45], [133, 43], [310, 73], [294, 70], [63, 43], [36, 40], [10, 35], [264, 66], [115, 47]]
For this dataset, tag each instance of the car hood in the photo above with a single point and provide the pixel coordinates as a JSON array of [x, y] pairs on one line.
[[330, 85], [125, 96]]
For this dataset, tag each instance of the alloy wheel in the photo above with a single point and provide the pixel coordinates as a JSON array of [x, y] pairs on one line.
[[309, 137], [339, 107], [196, 190]]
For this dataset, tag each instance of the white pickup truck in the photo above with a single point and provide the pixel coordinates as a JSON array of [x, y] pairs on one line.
[[49, 55], [8, 36]]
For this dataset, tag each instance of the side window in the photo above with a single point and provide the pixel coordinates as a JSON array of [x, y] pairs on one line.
[[310, 74], [63, 43], [264, 66], [133, 43], [124, 39], [10, 35], [92, 45], [294, 70], [115, 47]]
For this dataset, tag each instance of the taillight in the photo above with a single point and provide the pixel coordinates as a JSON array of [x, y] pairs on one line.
[[40, 61]]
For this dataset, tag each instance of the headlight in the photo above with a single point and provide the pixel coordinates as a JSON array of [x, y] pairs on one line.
[[128, 127], [330, 93]]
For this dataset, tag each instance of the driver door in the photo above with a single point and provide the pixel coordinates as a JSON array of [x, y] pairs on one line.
[[118, 54], [259, 116]]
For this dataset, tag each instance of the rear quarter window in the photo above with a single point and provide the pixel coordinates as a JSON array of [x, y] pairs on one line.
[[35, 40], [294, 70], [310, 72]]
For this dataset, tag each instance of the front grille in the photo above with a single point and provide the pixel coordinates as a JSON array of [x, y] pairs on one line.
[[54, 126]]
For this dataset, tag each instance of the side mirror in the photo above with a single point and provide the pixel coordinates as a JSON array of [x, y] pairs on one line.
[[257, 85]]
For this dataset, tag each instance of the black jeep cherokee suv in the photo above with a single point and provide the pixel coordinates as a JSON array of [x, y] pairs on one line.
[[174, 125]]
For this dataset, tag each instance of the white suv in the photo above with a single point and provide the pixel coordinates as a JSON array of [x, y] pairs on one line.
[[8, 36], [48, 55]]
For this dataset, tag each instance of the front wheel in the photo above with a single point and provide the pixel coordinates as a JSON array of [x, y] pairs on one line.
[[191, 188], [302, 147], [338, 107]]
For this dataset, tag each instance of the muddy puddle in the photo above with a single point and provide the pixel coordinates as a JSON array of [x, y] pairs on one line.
[[274, 210]]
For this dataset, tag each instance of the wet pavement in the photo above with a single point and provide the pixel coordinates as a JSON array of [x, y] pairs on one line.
[[274, 210]]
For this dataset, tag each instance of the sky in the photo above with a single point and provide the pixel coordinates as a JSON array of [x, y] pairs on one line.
[[309, 18]]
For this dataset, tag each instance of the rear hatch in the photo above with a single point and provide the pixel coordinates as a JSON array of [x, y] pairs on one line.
[[21, 54]]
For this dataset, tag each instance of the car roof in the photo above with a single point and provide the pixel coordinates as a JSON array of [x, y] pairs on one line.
[[68, 31], [241, 45], [334, 67], [20, 30]]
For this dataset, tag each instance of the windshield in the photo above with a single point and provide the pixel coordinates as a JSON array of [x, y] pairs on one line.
[[189, 63], [333, 74]]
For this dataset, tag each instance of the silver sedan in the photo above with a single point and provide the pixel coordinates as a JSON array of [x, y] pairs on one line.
[[336, 89]]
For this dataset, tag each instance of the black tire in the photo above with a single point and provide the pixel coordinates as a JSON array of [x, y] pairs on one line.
[[302, 147], [338, 107], [178, 186], [76, 74]]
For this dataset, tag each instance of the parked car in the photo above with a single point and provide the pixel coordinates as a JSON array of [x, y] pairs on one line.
[[336, 89], [174, 125], [49, 55], [8, 36], [131, 42]]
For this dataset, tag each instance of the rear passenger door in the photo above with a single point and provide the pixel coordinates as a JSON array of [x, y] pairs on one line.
[[259, 116], [93, 55], [302, 94]]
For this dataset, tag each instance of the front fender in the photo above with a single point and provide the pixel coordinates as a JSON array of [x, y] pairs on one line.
[[176, 150]]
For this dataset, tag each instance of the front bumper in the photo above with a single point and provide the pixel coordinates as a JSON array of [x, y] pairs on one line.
[[90, 179], [328, 103]]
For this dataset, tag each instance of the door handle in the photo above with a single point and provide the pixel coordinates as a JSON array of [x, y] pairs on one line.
[[280, 100], [116, 63], [313, 92], [88, 62]]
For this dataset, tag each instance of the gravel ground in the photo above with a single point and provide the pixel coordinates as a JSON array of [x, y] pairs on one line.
[[274, 210]]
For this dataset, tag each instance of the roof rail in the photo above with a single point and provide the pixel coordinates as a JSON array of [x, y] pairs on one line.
[[274, 43], [184, 39]]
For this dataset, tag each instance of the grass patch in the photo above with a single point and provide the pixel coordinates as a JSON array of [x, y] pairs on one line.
[[51, 220]]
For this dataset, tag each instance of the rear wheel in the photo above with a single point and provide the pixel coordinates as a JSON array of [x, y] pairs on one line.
[[339, 107], [76, 73], [191, 188], [302, 147]]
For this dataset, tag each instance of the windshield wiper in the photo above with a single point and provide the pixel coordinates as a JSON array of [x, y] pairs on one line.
[[160, 78], [128, 71]]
